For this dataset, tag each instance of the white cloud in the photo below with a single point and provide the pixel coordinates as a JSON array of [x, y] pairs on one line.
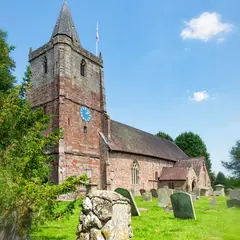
[[199, 96], [220, 40], [205, 27]]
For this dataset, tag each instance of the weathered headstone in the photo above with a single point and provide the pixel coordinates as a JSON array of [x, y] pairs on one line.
[[142, 191], [193, 196], [196, 191], [182, 206], [203, 192], [164, 196], [213, 201], [147, 197], [154, 192], [234, 193], [233, 203], [104, 215], [125, 193]]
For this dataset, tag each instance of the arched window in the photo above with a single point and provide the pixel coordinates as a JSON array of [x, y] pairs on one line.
[[82, 67], [156, 175], [45, 65], [135, 173]]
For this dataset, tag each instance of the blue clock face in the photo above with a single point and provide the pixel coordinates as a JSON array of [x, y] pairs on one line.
[[85, 114]]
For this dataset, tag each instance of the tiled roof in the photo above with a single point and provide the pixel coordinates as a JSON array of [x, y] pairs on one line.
[[195, 162], [174, 173], [128, 139], [65, 24]]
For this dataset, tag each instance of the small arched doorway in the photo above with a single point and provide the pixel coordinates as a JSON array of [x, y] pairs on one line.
[[193, 184]]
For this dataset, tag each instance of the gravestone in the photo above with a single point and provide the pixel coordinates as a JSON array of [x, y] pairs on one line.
[[147, 197], [164, 196], [154, 192], [182, 205], [125, 193], [196, 191], [142, 191], [203, 192], [234, 193], [233, 203], [104, 215], [213, 201], [193, 196]]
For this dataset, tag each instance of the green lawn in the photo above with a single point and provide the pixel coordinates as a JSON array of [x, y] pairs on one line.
[[213, 222]]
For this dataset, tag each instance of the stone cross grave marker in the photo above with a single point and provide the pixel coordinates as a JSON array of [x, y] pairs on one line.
[[182, 205], [234, 194], [154, 192], [214, 201], [164, 196], [147, 197], [125, 193]]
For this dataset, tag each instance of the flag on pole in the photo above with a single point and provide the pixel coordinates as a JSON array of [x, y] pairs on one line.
[[97, 36]]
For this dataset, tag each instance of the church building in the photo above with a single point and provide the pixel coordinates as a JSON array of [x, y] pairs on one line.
[[68, 83]]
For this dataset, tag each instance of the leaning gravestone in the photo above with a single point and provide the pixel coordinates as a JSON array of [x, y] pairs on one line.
[[104, 215], [125, 193], [142, 191], [182, 205], [154, 192], [233, 203], [147, 197], [164, 196]]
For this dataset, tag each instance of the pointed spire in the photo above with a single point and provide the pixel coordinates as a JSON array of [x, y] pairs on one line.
[[65, 24], [100, 56]]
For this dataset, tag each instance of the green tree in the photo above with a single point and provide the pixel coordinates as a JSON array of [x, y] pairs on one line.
[[234, 165], [7, 65], [165, 136], [221, 179], [193, 146], [25, 163]]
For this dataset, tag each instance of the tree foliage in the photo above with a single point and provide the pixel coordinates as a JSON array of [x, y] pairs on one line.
[[7, 65], [193, 146], [221, 179], [234, 165], [25, 161], [165, 136]]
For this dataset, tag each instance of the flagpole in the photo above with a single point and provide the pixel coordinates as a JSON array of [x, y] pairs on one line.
[[96, 47]]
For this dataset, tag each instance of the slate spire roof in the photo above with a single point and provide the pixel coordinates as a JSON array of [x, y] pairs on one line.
[[65, 24]]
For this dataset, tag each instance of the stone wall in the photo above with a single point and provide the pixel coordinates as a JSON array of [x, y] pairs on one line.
[[121, 171], [61, 92], [105, 215]]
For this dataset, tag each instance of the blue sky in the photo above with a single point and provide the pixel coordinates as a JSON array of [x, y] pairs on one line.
[[169, 65]]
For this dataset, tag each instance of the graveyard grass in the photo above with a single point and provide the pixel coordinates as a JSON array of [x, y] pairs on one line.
[[213, 222]]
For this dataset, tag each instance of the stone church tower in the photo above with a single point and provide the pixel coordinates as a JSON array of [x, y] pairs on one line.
[[67, 81]]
